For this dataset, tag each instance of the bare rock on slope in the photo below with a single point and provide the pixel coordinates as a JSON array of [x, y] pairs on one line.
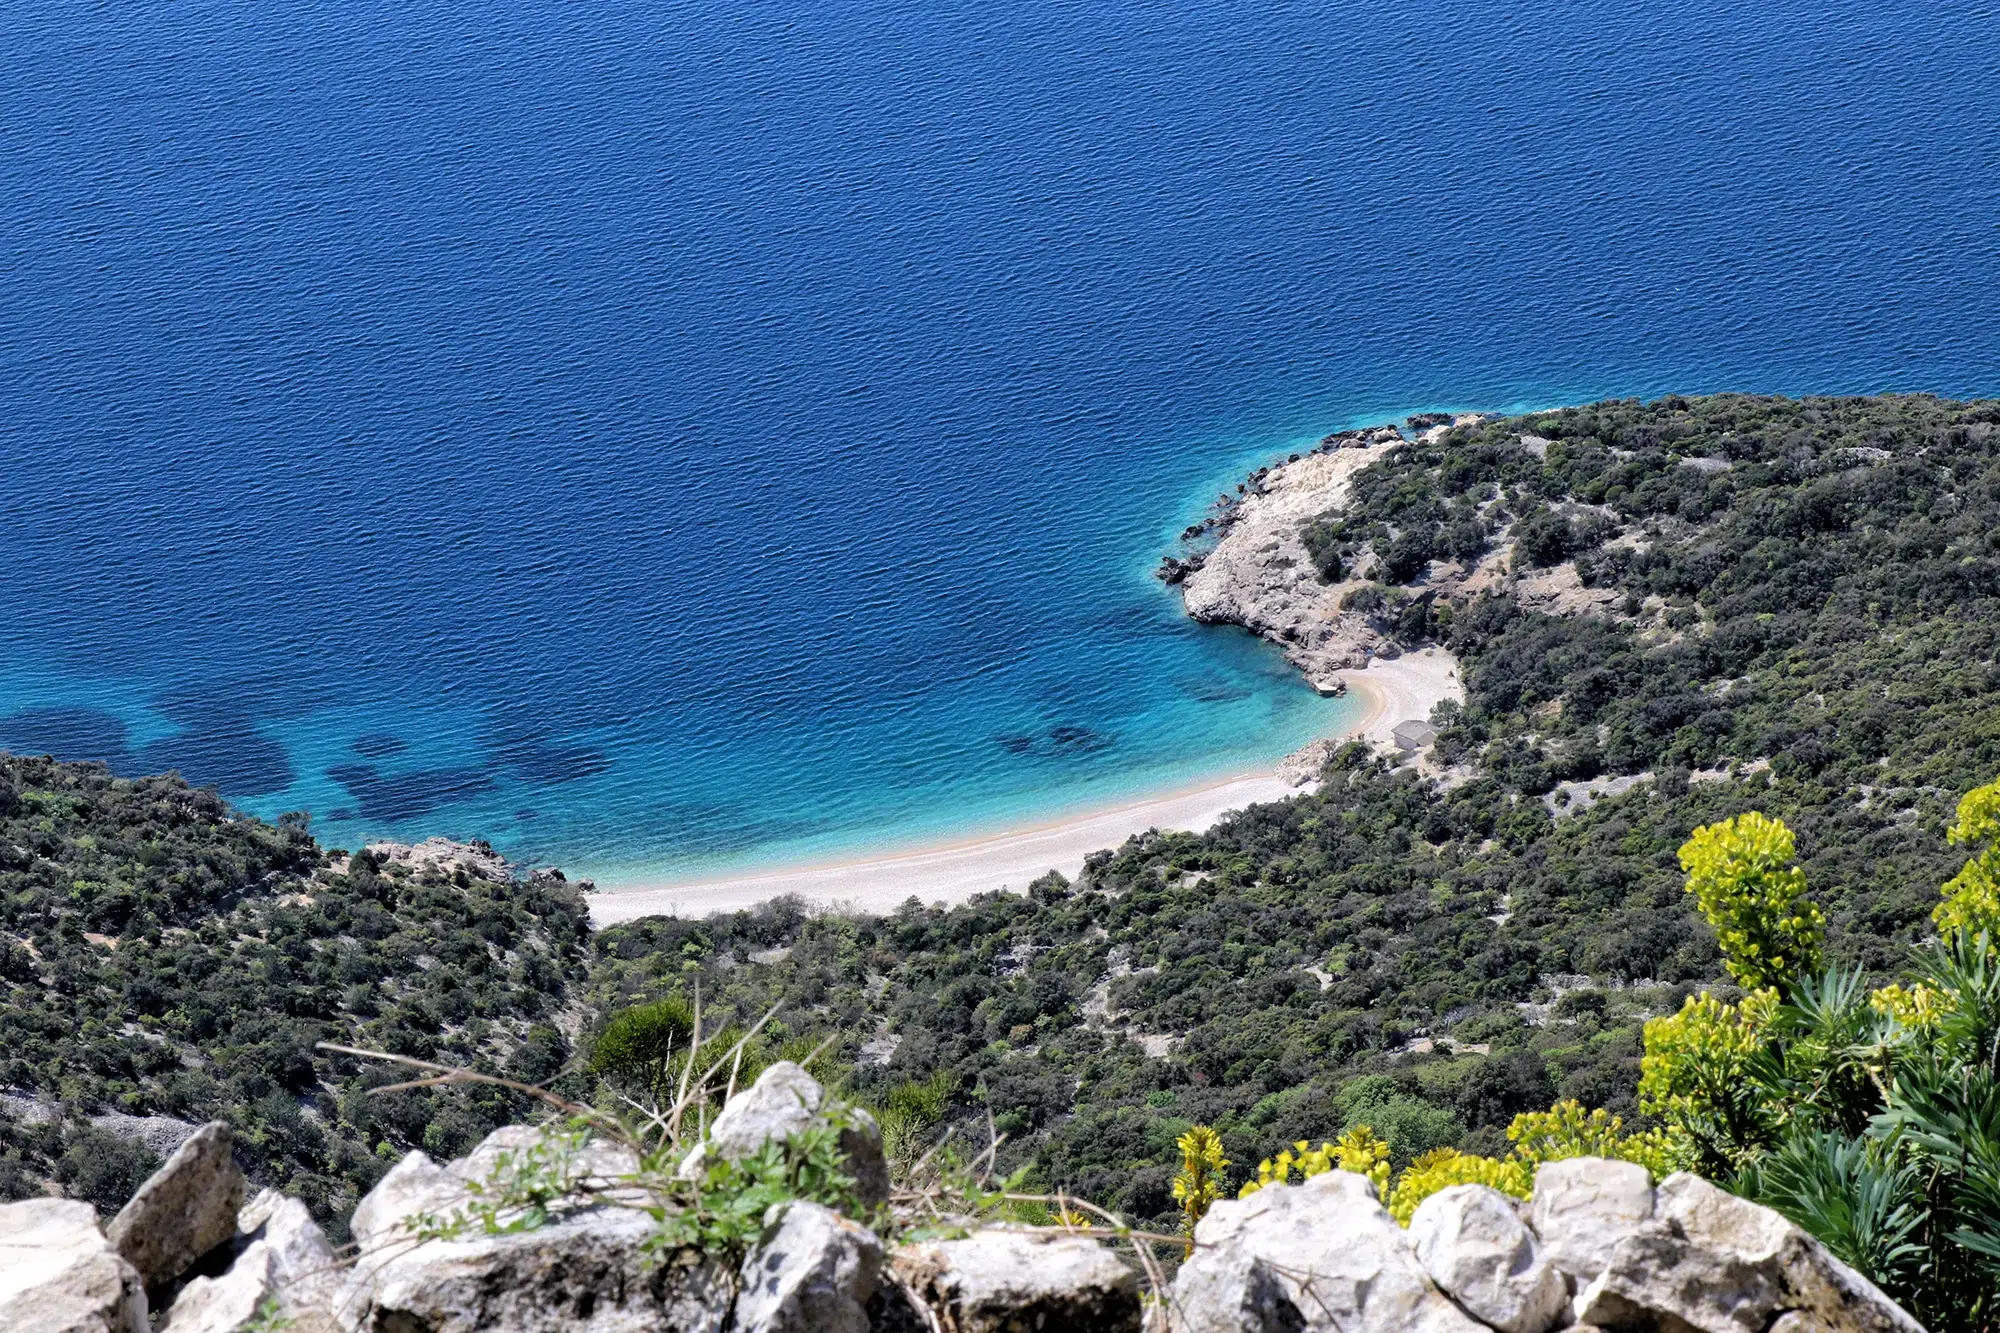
[[784, 1101], [813, 1271], [1259, 575], [1476, 1248], [1719, 1264], [1584, 1206], [999, 1281]]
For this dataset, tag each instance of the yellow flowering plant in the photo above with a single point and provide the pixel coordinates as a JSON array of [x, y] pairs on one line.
[[1869, 1117], [1441, 1168], [1564, 1130], [1198, 1184], [1568, 1130], [1695, 1075], [1971, 903], [1915, 1009], [1741, 875]]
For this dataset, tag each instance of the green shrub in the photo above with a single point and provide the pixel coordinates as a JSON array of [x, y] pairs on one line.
[[1872, 1119]]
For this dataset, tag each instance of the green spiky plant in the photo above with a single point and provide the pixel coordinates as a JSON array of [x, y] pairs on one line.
[[1870, 1118]]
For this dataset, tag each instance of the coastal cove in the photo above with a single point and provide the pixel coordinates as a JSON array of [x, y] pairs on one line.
[[1387, 694], [1246, 567]]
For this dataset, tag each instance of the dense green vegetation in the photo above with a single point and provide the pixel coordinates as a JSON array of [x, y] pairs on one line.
[[160, 955], [1870, 1118], [1810, 630]]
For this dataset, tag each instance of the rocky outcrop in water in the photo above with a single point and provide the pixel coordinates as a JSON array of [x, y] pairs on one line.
[[1259, 575]]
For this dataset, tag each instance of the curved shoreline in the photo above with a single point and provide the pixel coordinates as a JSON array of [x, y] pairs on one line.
[[951, 872], [1257, 576]]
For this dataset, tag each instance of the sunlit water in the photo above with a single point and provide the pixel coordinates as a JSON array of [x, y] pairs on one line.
[[661, 437]]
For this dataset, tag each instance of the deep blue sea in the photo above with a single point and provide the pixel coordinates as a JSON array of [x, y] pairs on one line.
[[658, 437]]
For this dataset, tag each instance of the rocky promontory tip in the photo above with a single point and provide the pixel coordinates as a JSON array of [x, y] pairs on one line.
[[1259, 574]]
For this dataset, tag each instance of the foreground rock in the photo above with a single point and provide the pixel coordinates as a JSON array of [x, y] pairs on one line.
[[1324, 1255], [1599, 1247], [1584, 1207], [58, 1274], [1687, 1258], [284, 1265], [1003, 1281], [1476, 1248], [184, 1210], [814, 1271], [1719, 1264], [587, 1273], [786, 1100]]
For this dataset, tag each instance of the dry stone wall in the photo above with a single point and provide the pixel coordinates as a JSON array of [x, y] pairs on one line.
[[1598, 1247]]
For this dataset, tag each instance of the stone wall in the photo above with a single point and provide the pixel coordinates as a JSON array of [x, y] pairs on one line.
[[1598, 1247]]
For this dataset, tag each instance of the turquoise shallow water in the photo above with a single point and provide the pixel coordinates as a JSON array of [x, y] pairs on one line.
[[673, 436]]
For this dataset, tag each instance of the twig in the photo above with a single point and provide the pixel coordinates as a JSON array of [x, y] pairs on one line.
[[445, 1074], [825, 1045], [992, 1154], [935, 1149], [716, 1068]]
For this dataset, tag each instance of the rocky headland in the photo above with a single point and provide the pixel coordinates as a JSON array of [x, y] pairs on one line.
[[1249, 564], [1257, 573]]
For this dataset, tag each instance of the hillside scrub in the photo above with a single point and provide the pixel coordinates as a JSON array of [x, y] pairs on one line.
[[162, 955]]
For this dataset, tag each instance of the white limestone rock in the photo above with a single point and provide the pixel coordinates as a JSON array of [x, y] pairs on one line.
[[286, 1264], [600, 1160], [1000, 1281], [58, 1274], [1479, 1252], [414, 1185], [1584, 1206], [585, 1273], [1719, 1264], [1321, 1256], [784, 1100], [224, 1304], [184, 1210], [811, 1272]]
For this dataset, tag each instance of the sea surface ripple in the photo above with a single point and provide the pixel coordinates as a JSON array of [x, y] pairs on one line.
[[670, 436]]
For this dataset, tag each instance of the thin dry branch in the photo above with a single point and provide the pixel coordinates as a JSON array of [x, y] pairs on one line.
[[680, 1106], [441, 1075], [681, 1096]]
